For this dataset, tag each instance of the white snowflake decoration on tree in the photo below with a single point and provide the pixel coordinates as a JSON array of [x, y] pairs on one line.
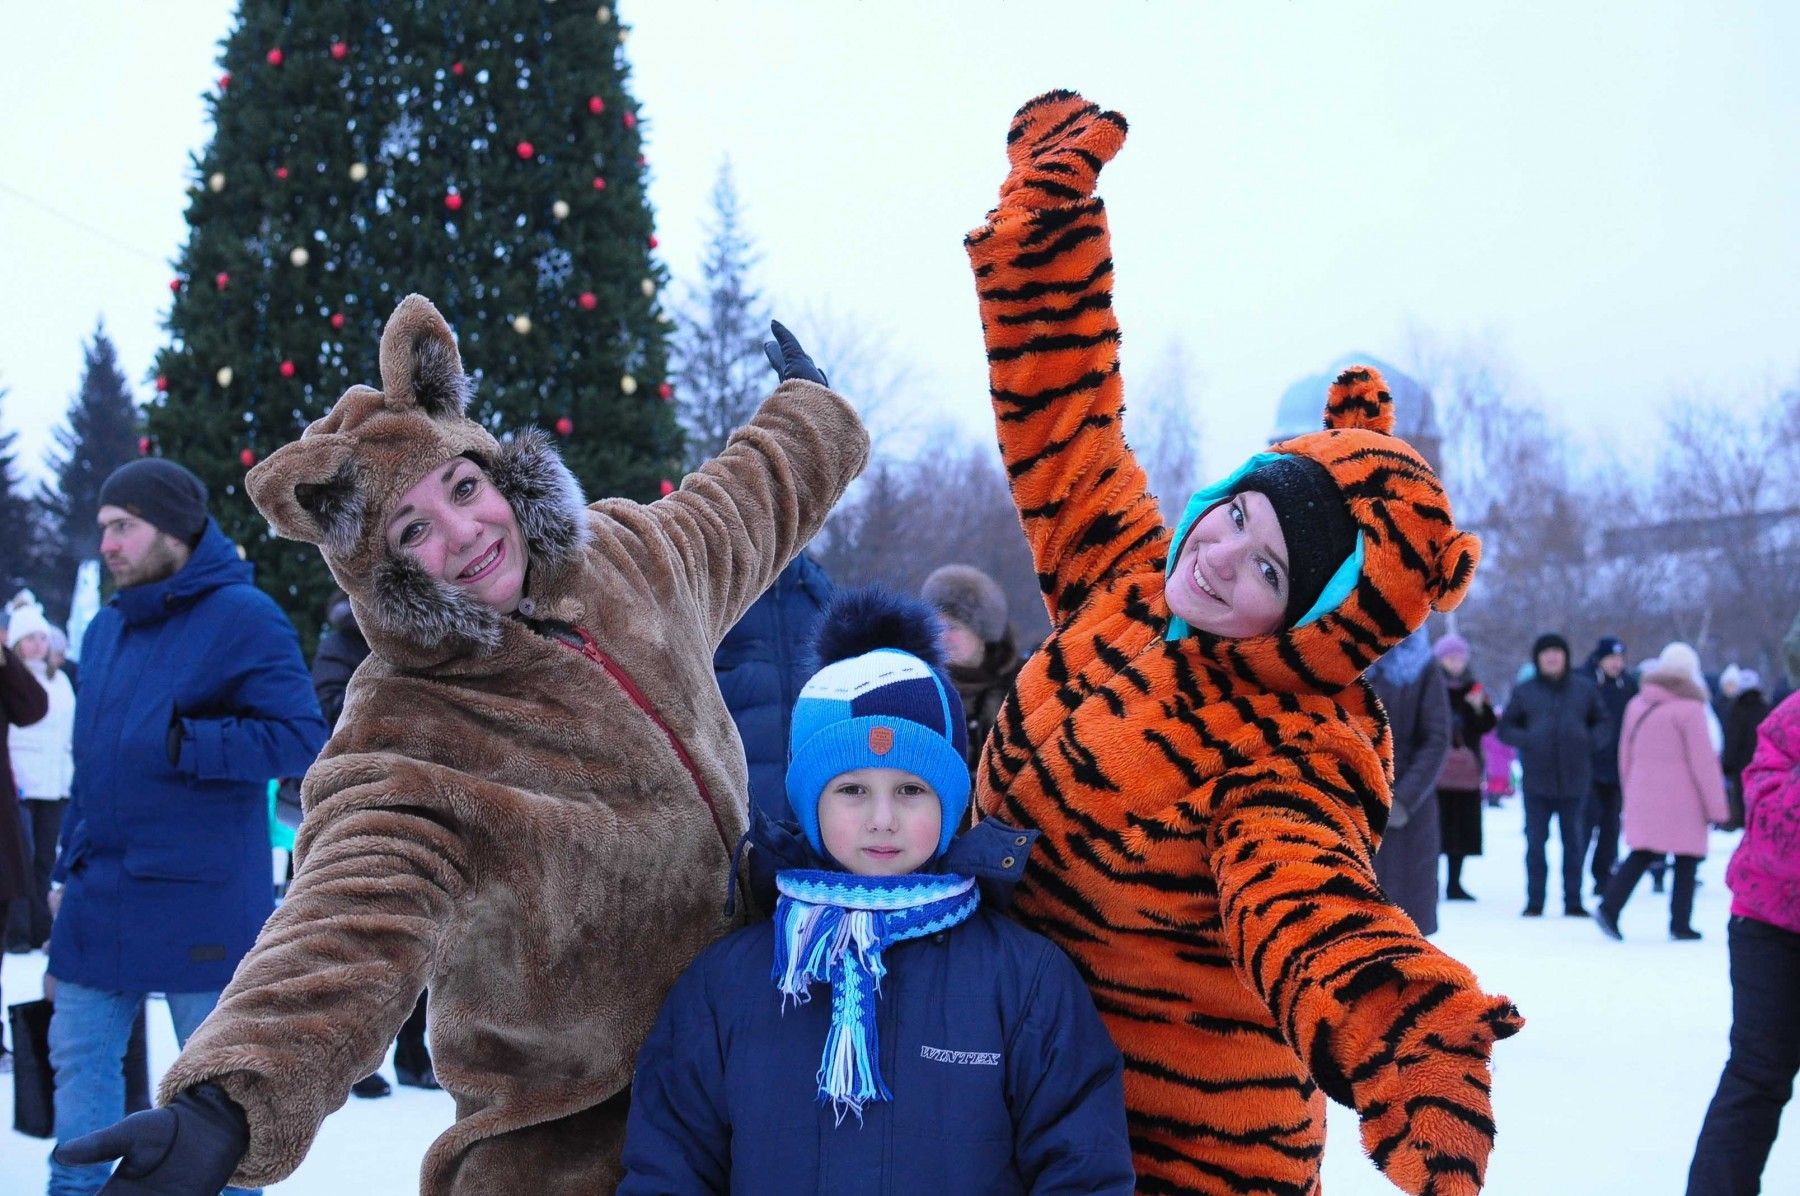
[[401, 139], [553, 268]]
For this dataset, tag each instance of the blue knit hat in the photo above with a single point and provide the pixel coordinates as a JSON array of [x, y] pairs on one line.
[[879, 699]]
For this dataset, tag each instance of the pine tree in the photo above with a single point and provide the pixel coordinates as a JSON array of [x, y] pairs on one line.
[[720, 370], [102, 434], [20, 530], [485, 155]]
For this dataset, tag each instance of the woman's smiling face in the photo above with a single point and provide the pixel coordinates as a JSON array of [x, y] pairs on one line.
[[463, 531], [1231, 577]]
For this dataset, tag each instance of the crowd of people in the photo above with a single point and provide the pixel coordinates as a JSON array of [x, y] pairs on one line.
[[626, 786]]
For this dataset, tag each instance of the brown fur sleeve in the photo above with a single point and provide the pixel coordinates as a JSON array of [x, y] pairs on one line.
[[739, 519], [338, 967], [1386, 1023]]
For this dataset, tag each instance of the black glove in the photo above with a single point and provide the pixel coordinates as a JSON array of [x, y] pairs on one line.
[[189, 1147], [788, 358]]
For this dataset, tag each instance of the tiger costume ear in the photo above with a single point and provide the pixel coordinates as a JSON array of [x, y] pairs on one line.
[[308, 491], [1455, 569], [1359, 399], [420, 366]]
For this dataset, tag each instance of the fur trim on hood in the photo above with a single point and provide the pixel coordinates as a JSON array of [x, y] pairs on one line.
[[335, 486], [971, 597]]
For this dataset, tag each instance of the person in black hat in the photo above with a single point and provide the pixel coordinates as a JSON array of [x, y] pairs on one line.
[[1557, 723], [1606, 666], [152, 513]]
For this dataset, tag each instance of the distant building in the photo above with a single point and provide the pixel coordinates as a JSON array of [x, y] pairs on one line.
[[1415, 416]]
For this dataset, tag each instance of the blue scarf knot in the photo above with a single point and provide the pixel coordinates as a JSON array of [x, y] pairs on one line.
[[832, 927]]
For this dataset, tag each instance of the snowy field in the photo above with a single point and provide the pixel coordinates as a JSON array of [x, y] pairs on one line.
[[1602, 1093]]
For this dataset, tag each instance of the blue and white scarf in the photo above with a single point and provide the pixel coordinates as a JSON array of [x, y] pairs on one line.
[[833, 927]]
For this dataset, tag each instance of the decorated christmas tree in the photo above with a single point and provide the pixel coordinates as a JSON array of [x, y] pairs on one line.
[[485, 155]]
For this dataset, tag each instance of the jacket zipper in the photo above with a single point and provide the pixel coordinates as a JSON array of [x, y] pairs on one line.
[[592, 651]]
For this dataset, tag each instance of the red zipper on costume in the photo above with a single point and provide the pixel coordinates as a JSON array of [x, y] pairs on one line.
[[592, 651]]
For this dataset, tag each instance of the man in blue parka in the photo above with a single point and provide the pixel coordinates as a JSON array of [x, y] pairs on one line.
[[194, 694], [761, 664]]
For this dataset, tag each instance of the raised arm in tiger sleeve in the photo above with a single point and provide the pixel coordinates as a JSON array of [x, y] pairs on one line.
[[1043, 274], [1386, 1023]]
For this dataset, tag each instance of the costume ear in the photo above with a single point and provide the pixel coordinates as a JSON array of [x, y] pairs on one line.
[[1455, 570], [1359, 399], [419, 362], [308, 490]]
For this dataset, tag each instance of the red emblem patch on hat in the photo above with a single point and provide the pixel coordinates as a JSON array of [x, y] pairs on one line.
[[881, 740]]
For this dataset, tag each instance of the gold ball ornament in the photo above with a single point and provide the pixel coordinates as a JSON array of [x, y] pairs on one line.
[[224, 376], [216, 181], [560, 209], [648, 286], [358, 172], [603, 14], [628, 385], [299, 256], [623, 34], [521, 324]]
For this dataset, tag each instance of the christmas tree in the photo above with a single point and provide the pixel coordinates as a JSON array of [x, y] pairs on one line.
[[102, 434], [487, 156], [20, 530]]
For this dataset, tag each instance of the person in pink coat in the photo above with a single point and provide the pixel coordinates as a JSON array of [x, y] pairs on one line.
[[1673, 789], [1764, 876]]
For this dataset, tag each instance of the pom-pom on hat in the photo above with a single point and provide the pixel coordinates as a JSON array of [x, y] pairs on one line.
[[878, 699]]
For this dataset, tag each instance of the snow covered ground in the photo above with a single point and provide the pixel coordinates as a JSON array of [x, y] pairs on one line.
[[1602, 1093]]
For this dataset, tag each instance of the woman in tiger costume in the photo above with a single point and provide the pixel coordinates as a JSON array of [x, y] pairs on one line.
[[1197, 745]]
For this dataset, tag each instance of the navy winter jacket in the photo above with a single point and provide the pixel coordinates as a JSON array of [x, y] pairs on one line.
[[1004, 1079], [1557, 726], [761, 665], [166, 865]]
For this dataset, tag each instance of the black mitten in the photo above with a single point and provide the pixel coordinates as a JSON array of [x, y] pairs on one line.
[[788, 358], [189, 1147]]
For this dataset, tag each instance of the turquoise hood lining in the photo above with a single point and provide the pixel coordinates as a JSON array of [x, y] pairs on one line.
[[1339, 588]]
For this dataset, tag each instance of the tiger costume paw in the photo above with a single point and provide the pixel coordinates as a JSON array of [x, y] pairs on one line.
[[1057, 144], [1428, 1122]]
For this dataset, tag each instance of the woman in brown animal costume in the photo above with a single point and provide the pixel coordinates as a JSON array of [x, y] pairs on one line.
[[532, 798]]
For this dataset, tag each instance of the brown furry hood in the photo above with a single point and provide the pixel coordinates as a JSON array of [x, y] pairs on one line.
[[971, 597], [335, 486]]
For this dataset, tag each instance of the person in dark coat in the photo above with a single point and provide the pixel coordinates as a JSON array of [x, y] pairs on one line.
[[340, 650], [1556, 721], [194, 695], [1606, 666], [1742, 718], [23, 702], [979, 643], [1460, 783], [761, 665], [914, 1038], [1411, 689]]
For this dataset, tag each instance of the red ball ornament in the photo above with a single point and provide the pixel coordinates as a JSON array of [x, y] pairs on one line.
[[453, 201], [337, 321], [630, 120], [162, 383], [339, 50], [287, 369], [643, 161], [599, 183], [274, 56], [526, 150], [248, 458], [281, 172], [456, 68], [143, 446], [221, 280], [175, 285], [668, 487], [653, 241], [224, 80], [596, 105], [589, 301], [665, 392], [564, 426]]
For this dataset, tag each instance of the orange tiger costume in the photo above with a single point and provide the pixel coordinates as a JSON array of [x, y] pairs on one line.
[[1210, 807]]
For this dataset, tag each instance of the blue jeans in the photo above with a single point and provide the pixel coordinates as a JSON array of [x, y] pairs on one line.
[[88, 1033]]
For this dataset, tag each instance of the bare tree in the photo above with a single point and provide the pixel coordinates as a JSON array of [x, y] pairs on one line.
[[1164, 429]]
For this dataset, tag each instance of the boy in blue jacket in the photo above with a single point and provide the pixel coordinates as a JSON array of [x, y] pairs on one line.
[[891, 1029]]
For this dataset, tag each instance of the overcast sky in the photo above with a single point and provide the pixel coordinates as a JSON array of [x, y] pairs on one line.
[[1607, 191]]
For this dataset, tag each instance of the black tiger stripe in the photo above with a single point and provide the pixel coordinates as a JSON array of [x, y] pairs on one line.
[[1051, 313], [1060, 247], [1056, 448], [1037, 290]]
